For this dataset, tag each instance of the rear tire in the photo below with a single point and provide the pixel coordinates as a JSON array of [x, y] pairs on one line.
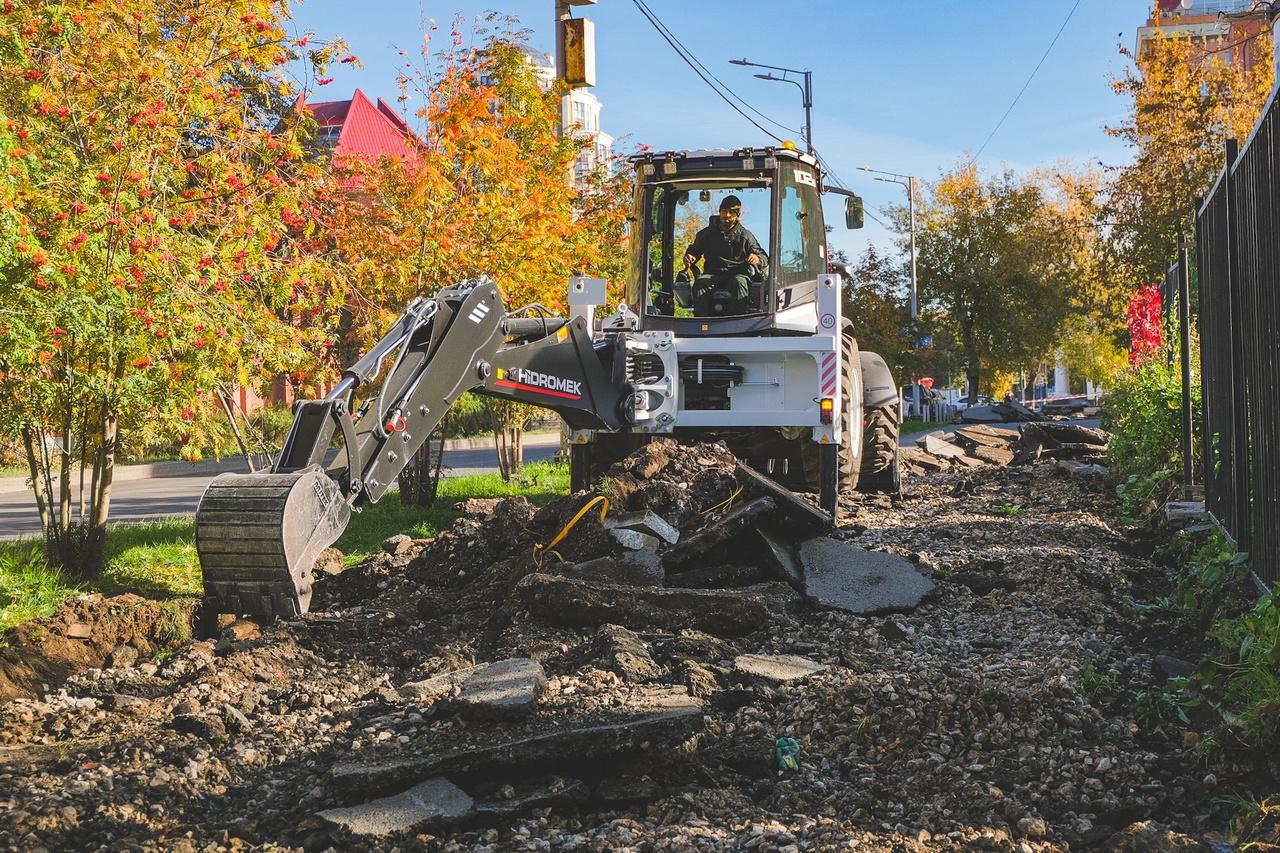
[[881, 468]]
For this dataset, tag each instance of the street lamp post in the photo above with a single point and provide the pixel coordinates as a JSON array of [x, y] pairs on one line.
[[909, 182], [806, 92]]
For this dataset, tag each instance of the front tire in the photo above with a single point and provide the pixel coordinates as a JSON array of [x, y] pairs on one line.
[[881, 467]]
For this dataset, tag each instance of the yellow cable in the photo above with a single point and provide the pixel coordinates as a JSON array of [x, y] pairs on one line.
[[540, 551], [724, 503]]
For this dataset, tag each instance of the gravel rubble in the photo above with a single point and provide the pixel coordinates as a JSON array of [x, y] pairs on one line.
[[966, 723]]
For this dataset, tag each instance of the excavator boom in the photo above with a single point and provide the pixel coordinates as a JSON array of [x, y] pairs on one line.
[[258, 535]]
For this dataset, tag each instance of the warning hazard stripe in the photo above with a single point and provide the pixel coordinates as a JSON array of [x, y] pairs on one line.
[[520, 386], [828, 372]]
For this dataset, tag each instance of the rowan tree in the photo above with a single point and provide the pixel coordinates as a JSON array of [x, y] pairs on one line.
[[1185, 101], [148, 190], [482, 190]]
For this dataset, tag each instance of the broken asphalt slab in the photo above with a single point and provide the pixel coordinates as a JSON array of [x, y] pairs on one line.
[[575, 604], [777, 668], [672, 721], [633, 568], [846, 577], [434, 801], [738, 519]]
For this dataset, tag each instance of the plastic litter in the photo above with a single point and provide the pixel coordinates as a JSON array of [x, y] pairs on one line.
[[786, 752]]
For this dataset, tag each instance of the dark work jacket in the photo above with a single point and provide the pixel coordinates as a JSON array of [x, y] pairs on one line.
[[725, 251]]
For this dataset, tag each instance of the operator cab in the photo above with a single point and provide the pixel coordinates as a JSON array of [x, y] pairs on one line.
[[678, 194]]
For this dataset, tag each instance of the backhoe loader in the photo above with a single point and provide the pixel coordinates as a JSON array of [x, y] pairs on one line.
[[773, 372]]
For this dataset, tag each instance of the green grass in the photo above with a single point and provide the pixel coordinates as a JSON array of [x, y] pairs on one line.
[[28, 588], [158, 559], [914, 427], [541, 482]]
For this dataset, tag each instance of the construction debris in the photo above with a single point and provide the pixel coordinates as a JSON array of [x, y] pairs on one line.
[[844, 576], [979, 444]]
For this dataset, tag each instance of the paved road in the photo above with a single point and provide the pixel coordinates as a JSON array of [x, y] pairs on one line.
[[160, 497]]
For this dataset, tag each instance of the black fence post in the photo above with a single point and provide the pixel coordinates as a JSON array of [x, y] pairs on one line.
[[1184, 353]]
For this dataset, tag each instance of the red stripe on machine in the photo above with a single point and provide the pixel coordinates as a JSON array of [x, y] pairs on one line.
[[829, 374], [520, 386]]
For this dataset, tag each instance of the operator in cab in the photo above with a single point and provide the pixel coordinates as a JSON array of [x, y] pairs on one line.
[[731, 251]]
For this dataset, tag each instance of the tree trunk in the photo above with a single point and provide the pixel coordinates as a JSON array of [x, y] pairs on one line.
[[37, 479], [972, 367], [420, 480], [508, 436]]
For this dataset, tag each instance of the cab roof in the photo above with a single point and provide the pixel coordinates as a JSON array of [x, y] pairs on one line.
[[725, 153]]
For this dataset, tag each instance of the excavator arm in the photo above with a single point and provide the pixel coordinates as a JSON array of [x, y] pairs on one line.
[[258, 535]]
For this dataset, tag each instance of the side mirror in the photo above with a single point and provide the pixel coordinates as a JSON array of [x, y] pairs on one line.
[[853, 216]]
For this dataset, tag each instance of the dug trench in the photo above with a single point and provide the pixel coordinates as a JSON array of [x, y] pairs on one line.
[[703, 666]]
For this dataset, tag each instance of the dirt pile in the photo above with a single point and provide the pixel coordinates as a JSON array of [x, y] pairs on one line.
[[85, 632], [434, 702]]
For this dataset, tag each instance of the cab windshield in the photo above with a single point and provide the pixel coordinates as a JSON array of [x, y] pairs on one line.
[[708, 249]]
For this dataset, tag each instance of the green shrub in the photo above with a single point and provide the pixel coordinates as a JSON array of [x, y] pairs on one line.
[[1160, 704], [1142, 410], [1140, 494], [1250, 670], [270, 425], [1213, 571]]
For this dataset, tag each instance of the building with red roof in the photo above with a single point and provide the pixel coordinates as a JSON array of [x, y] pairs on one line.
[[360, 128], [356, 128]]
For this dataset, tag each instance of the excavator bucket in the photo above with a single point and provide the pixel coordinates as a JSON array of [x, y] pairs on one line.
[[258, 537]]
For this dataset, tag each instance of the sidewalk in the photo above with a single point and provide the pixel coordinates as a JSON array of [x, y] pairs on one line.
[[155, 470]]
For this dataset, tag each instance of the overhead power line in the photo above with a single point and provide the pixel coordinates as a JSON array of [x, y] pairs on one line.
[[1021, 91], [726, 94]]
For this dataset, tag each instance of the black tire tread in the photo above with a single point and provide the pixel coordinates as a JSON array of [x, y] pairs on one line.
[[881, 468]]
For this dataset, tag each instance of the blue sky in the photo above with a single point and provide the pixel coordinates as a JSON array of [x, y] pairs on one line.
[[906, 87]]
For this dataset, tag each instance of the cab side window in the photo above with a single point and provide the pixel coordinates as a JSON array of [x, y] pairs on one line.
[[801, 255]]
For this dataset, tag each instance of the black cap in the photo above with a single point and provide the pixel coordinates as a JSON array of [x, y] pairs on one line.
[[731, 201]]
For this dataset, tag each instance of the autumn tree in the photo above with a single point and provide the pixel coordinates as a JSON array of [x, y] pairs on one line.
[[1185, 101], [875, 303], [996, 261], [149, 192], [482, 190]]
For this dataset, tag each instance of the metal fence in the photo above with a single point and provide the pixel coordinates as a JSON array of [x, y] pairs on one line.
[[1238, 252], [1175, 306]]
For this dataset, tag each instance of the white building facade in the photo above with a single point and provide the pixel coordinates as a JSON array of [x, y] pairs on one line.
[[581, 117]]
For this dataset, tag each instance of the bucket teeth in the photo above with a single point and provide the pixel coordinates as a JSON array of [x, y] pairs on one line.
[[258, 537]]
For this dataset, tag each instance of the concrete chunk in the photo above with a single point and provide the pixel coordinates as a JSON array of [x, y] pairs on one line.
[[434, 801], [506, 688], [936, 446], [779, 668], [838, 574], [634, 540], [647, 522], [626, 654]]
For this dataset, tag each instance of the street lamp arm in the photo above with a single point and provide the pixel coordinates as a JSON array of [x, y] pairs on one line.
[[806, 92], [762, 65], [795, 83]]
